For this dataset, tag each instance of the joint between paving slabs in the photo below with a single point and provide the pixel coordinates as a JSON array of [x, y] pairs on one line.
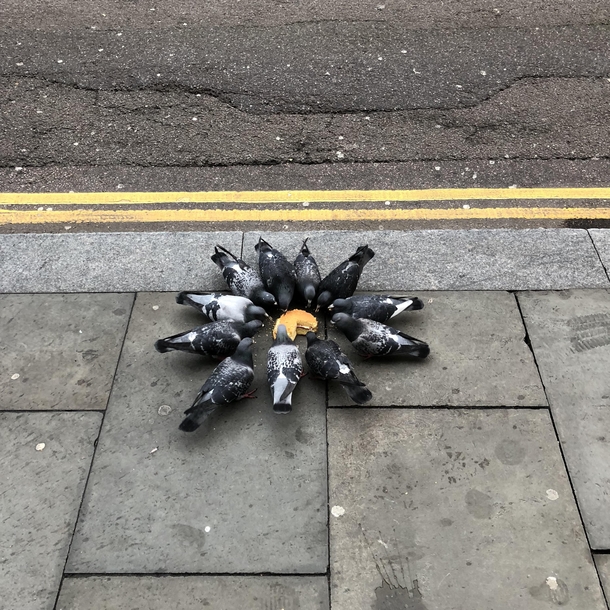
[[563, 457], [95, 445], [598, 255], [81, 575]]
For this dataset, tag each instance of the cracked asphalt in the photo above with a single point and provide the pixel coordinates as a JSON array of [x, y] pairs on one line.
[[105, 89]]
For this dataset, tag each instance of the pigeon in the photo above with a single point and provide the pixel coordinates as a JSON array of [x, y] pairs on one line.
[[341, 282], [371, 338], [217, 339], [308, 274], [217, 306], [284, 369], [326, 360], [241, 278], [375, 306], [228, 382], [277, 273]]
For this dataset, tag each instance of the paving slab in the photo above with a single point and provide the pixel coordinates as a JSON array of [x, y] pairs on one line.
[[478, 356], [602, 561], [112, 262], [454, 509], [195, 592], [40, 493], [246, 495], [570, 334], [500, 259], [60, 351]]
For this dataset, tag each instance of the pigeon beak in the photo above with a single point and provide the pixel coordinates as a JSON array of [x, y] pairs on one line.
[[317, 309], [331, 307]]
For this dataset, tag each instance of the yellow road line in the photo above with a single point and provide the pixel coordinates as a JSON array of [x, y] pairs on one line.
[[346, 196], [309, 215]]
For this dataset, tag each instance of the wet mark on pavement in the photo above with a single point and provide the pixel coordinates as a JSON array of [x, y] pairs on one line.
[[399, 590], [510, 452], [479, 504], [553, 589]]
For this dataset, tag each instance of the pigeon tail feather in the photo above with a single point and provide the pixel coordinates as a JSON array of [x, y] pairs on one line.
[[282, 407], [362, 256], [189, 424], [360, 394], [162, 346], [417, 304]]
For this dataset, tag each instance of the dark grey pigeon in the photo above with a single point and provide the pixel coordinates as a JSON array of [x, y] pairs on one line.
[[341, 282], [308, 274], [241, 278], [217, 306], [277, 273], [217, 339], [327, 361], [376, 307], [371, 338], [284, 369], [228, 382]]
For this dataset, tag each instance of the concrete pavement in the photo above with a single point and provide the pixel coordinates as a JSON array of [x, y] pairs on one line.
[[475, 479]]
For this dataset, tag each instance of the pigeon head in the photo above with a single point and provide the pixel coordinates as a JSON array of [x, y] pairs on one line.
[[281, 335], [341, 306], [252, 327], [341, 320], [264, 299], [254, 312], [310, 294], [311, 338], [284, 297], [325, 299], [242, 354], [347, 325]]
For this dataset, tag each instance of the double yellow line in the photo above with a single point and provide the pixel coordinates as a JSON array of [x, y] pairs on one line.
[[295, 206]]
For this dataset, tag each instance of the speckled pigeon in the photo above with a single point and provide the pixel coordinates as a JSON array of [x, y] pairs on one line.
[[241, 278], [308, 274], [217, 339], [341, 282], [327, 361], [371, 338], [376, 307], [217, 306], [277, 273], [284, 369], [228, 382]]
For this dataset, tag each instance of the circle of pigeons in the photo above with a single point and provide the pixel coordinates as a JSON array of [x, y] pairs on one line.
[[235, 318]]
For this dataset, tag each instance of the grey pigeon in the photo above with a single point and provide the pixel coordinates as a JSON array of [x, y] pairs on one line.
[[341, 282], [241, 278], [308, 274], [376, 307], [284, 369], [371, 338], [228, 382], [327, 361], [277, 273], [217, 339], [217, 306]]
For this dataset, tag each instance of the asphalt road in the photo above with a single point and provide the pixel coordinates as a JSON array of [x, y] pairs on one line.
[[199, 96]]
